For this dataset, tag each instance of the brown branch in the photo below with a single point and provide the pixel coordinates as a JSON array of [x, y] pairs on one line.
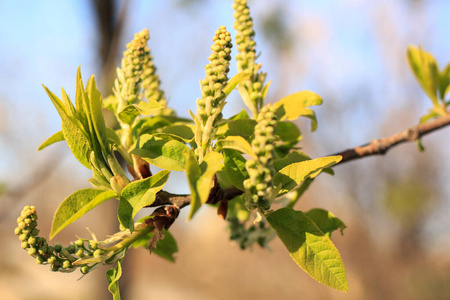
[[166, 198], [381, 146], [375, 147]]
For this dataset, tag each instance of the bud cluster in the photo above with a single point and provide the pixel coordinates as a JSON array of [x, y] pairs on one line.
[[151, 84], [137, 55], [260, 233], [252, 89], [63, 259], [259, 186], [209, 107]]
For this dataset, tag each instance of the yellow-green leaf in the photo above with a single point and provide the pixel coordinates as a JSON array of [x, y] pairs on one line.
[[236, 143], [291, 175], [201, 179], [295, 105], [57, 137], [164, 153], [138, 194], [76, 205], [310, 248]]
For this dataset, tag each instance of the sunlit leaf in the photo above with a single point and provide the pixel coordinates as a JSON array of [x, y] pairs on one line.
[[203, 181], [235, 80], [76, 205], [113, 276], [57, 137], [291, 176], [236, 143], [166, 154], [295, 105], [310, 248], [242, 127], [425, 69], [235, 167], [138, 194], [76, 137]]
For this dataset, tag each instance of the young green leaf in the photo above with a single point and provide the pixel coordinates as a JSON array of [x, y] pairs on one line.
[[183, 132], [201, 179], [57, 137], [193, 173], [236, 143], [326, 221], [95, 109], [74, 133], [310, 248], [290, 176], [235, 80], [164, 153], [425, 69], [165, 248], [293, 157], [113, 276], [235, 168], [76, 205], [138, 194], [293, 106], [288, 132], [242, 127]]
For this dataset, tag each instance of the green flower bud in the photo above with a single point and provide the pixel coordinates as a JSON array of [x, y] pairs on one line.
[[58, 247], [23, 237], [85, 269], [32, 251], [39, 259], [55, 267], [80, 253], [31, 240], [51, 259], [66, 264], [93, 245], [24, 245], [98, 253], [79, 243]]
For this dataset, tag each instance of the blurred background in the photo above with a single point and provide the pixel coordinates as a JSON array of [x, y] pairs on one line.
[[351, 52]]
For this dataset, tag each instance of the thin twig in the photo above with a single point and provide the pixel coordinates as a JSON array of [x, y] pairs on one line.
[[381, 146]]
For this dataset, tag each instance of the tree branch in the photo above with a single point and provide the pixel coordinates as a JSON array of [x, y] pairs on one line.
[[375, 147], [381, 146]]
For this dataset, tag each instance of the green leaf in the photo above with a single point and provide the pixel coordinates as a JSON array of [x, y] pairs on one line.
[[242, 127], [444, 82], [193, 173], [76, 137], [235, 167], [293, 106], [183, 132], [165, 248], [203, 181], [292, 157], [57, 137], [290, 176], [235, 80], [164, 153], [128, 114], [76, 205], [310, 248], [425, 69], [95, 109], [138, 194], [241, 115], [113, 276], [288, 132], [326, 221], [236, 143]]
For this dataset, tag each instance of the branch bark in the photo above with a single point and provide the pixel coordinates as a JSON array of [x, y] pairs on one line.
[[381, 146], [375, 147]]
